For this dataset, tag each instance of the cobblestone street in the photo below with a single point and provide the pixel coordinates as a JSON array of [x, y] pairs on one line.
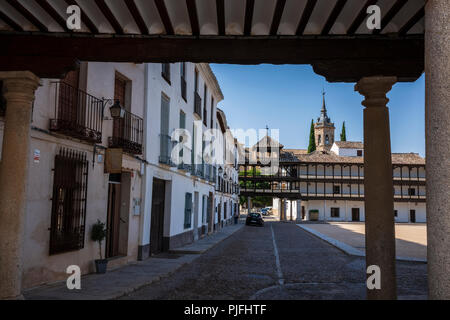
[[247, 265]]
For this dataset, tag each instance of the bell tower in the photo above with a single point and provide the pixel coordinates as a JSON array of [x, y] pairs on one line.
[[324, 129]]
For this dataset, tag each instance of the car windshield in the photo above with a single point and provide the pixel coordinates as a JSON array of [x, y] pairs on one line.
[[254, 215]]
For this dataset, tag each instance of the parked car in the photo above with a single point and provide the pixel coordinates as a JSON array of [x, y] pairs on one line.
[[255, 219], [264, 211]]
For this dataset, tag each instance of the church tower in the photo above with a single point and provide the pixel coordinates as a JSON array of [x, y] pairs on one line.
[[324, 129]]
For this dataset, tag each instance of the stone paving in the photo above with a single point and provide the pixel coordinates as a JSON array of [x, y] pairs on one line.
[[411, 239], [127, 279], [244, 266]]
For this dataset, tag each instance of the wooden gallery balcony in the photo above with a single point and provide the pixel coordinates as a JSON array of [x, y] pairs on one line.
[[128, 133], [77, 114]]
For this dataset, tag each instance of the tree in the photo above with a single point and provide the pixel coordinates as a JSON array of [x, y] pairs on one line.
[[343, 134], [312, 139]]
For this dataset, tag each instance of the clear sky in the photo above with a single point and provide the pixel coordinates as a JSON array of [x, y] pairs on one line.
[[287, 97]]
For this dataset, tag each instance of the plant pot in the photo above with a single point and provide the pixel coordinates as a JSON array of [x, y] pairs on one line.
[[101, 265]]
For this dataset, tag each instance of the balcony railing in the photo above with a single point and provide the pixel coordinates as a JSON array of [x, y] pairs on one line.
[[165, 149], [197, 104], [128, 133], [77, 114], [183, 88]]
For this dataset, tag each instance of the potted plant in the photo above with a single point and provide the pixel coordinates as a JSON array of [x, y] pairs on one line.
[[98, 234]]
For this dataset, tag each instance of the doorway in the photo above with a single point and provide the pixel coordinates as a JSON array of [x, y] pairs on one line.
[[196, 213], [113, 216], [412, 216], [157, 220], [355, 214]]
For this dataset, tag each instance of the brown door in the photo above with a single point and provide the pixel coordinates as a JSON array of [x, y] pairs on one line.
[[355, 214], [157, 221], [303, 213], [412, 216], [210, 213], [113, 222], [68, 97]]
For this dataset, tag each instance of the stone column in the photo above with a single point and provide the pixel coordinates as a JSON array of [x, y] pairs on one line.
[[378, 184], [437, 127], [249, 205], [19, 88]]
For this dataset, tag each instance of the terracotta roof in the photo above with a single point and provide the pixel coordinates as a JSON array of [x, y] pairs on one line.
[[296, 151], [350, 144], [331, 157], [267, 141]]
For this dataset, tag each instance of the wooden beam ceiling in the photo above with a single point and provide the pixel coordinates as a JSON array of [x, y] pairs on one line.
[[362, 15], [330, 56], [53, 13], [10, 22], [398, 5], [164, 15], [307, 12], [333, 16], [131, 5], [193, 17], [220, 6], [28, 15], [248, 22], [84, 17], [412, 22], [278, 13], [106, 11]]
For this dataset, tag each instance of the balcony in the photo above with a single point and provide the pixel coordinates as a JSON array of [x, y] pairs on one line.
[[128, 134], [165, 149], [77, 114], [197, 104]]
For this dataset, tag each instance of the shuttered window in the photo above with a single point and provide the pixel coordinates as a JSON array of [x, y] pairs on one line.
[[182, 126], [205, 110], [164, 133], [188, 210], [68, 217]]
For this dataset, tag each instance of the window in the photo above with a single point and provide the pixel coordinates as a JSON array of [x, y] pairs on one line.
[[165, 73], [319, 139], [359, 153], [395, 213], [68, 216], [411, 192], [212, 112], [327, 140], [187, 210], [336, 189], [182, 126], [183, 80], [164, 156], [205, 110], [335, 212]]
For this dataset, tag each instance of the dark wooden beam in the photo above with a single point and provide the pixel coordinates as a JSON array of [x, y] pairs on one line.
[[362, 15], [307, 12], [249, 9], [131, 5], [54, 14], [398, 5], [412, 22], [109, 15], [340, 4], [337, 58], [10, 22], [193, 17], [164, 15], [278, 13], [220, 6], [84, 17], [28, 15]]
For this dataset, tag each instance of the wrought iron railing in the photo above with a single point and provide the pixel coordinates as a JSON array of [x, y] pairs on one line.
[[128, 133], [197, 104], [77, 114]]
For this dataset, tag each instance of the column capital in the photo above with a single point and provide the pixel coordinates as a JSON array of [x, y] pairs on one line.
[[19, 85], [374, 89]]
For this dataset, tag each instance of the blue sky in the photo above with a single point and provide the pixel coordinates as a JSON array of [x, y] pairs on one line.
[[287, 97]]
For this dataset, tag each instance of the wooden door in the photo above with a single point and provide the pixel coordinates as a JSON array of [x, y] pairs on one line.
[[69, 97], [412, 216], [355, 214], [157, 220], [113, 221]]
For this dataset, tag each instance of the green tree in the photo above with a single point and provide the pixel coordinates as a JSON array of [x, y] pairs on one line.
[[343, 134], [312, 140]]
